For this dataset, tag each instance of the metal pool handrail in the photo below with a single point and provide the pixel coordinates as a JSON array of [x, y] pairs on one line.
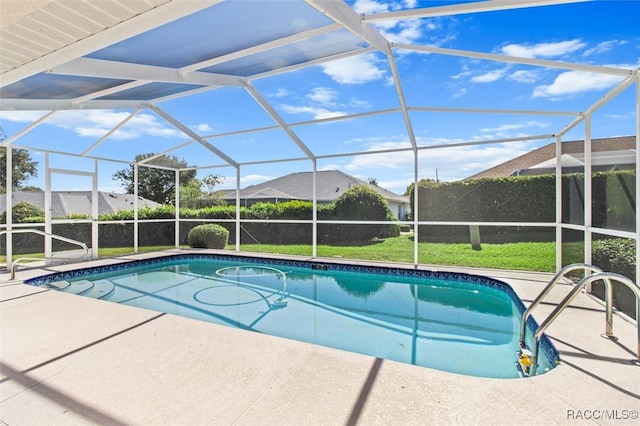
[[561, 274], [606, 277], [46, 234]]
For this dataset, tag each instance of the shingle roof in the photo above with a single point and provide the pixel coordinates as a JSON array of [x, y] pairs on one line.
[[66, 203], [330, 184], [548, 152]]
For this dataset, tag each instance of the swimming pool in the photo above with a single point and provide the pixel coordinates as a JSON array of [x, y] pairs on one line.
[[453, 322]]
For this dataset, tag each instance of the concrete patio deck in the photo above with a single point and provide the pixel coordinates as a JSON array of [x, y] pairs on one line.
[[68, 360]]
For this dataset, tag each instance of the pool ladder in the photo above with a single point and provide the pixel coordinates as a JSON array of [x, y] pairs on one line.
[[12, 267], [529, 359]]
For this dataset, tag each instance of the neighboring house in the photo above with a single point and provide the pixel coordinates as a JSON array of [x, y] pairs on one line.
[[67, 203], [607, 154], [330, 185]]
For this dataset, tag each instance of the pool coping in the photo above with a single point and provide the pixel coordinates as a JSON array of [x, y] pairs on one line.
[[296, 383]]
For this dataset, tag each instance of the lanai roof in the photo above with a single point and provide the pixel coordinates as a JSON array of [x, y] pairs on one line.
[[134, 55]]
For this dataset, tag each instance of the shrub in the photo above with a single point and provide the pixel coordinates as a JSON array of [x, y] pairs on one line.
[[209, 235], [23, 212], [615, 255], [360, 203]]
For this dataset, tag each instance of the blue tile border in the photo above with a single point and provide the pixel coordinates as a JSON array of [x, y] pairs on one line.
[[545, 344]]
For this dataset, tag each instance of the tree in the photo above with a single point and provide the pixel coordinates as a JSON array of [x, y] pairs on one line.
[[210, 182], [156, 184], [190, 193], [24, 168], [193, 196], [31, 188]]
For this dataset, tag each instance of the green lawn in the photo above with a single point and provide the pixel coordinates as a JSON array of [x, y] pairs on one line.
[[517, 256]]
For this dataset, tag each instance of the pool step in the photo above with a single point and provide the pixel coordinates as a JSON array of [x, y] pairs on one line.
[[96, 289], [100, 289]]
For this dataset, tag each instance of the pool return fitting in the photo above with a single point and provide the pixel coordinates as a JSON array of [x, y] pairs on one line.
[[528, 360]]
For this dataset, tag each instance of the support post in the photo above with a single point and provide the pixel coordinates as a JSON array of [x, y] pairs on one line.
[[238, 234], [177, 212], [94, 212], [314, 235], [9, 204], [48, 227], [135, 208]]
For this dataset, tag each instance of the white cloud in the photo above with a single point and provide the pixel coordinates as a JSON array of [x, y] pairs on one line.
[[508, 127], [512, 130], [403, 31], [543, 50], [22, 116], [369, 7], [323, 95], [280, 92], [603, 47], [407, 32], [628, 116], [523, 76], [574, 82], [359, 103], [354, 70], [202, 128], [489, 77], [318, 113], [388, 160], [96, 123], [453, 163], [460, 92]]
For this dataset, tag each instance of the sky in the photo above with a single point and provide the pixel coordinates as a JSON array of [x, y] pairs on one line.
[[603, 33]]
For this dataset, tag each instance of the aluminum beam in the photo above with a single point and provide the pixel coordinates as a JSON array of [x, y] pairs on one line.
[[155, 17], [87, 67], [458, 9], [193, 135], [344, 15], [513, 59]]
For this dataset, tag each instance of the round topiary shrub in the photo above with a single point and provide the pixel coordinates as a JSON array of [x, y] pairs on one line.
[[208, 236]]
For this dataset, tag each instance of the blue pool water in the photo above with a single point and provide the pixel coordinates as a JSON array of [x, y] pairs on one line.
[[452, 322]]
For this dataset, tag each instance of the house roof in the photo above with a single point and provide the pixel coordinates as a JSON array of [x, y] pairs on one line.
[[66, 203], [330, 184], [573, 151]]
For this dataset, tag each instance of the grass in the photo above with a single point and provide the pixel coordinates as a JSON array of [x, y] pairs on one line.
[[516, 256], [519, 256], [102, 252]]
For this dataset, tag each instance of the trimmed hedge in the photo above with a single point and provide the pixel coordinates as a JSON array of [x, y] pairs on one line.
[[617, 255], [354, 204], [358, 203], [524, 199]]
